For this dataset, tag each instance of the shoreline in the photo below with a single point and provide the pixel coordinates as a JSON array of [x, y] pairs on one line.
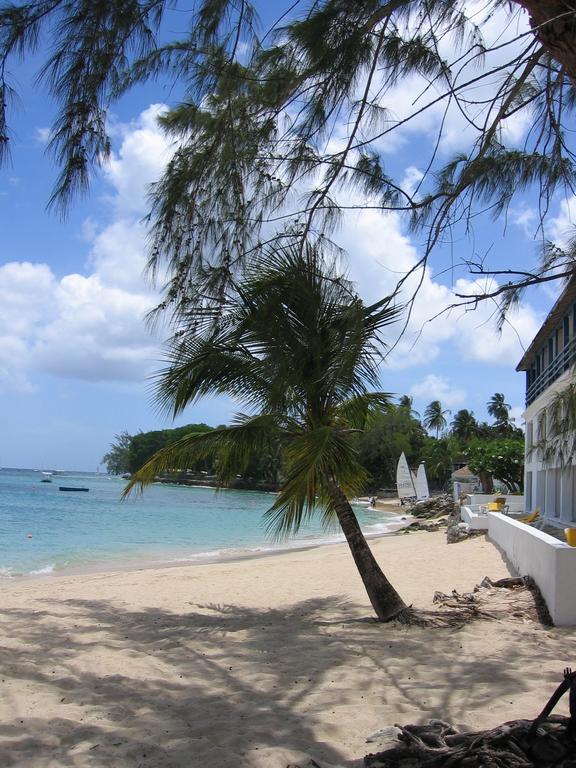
[[214, 557]]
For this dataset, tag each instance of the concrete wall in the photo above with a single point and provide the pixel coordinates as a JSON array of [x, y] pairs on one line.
[[551, 563], [515, 503], [475, 520]]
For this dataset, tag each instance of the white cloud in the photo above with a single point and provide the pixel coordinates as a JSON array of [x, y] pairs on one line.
[[13, 362], [434, 387], [118, 255], [43, 135], [90, 326], [428, 107], [380, 254], [561, 228], [26, 293], [99, 333], [139, 161], [527, 219], [478, 339]]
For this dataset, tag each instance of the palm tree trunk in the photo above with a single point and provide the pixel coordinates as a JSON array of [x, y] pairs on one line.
[[386, 602]]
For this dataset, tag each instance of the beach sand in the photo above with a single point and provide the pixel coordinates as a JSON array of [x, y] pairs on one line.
[[258, 662]]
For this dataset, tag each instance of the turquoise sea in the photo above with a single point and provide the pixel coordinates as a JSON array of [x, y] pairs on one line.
[[44, 530]]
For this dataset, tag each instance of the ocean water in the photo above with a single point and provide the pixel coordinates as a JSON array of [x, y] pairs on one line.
[[44, 530]]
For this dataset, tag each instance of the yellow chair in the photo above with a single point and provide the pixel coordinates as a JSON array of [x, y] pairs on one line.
[[570, 534], [531, 518]]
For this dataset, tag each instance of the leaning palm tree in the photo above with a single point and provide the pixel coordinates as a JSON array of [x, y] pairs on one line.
[[300, 351], [435, 417]]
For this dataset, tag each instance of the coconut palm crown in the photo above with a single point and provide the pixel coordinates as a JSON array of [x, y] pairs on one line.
[[435, 417], [299, 351]]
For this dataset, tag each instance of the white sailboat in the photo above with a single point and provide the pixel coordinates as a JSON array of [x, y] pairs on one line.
[[421, 484], [404, 480]]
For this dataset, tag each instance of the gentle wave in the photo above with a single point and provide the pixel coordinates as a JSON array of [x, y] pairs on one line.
[[45, 571], [45, 532]]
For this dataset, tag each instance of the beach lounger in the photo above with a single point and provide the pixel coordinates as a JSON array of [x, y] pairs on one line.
[[531, 518], [495, 506]]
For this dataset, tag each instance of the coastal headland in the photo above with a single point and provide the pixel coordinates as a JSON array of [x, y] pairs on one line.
[[256, 663]]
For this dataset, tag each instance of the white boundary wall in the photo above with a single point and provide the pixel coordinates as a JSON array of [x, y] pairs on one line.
[[551, 563], [515, 503], [475, 520]]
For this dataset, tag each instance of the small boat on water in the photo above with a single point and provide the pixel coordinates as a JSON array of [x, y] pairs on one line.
[[72, 488]]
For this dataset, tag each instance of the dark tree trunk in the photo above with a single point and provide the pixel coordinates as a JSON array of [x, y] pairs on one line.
[[386, 602], [554, 25], [486, 481]]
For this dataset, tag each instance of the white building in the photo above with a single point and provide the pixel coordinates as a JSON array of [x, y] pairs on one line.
[[550, 483], [549, 365]]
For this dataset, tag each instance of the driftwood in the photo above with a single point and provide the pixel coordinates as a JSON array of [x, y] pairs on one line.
[[510, 599], [547, 741]]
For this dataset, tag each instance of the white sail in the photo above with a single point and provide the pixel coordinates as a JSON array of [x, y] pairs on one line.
[[421, 483], [404, 482]]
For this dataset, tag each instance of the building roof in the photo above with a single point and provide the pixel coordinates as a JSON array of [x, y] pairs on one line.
[[567, 297], [463, 472]]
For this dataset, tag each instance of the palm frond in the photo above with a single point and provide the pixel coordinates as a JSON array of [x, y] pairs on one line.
[[360, 411], [312, 461]]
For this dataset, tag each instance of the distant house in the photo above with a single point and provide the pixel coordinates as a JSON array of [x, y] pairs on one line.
[[549, 365], [464, 481]]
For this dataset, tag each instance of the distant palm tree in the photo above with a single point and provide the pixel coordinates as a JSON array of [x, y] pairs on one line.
[[499, 410], [300, 351], [405, 402], [435, 417], [464, 425]]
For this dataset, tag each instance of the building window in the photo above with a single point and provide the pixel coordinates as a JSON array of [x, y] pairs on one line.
[[529, 435], [550, 350], [566, 330], [541, 434], [528, 492]]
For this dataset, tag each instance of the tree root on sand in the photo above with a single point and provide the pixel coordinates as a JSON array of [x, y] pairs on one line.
[[517, 599], [549, 741], [511, 745]]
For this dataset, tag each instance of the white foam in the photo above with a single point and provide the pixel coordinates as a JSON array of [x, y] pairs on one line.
[[47, 569]]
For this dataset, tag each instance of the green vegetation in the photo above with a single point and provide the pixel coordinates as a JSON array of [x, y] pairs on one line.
[[392, 431], [300, 351], [383, 441], [257, 114], [117, 459], [503, 458], [129, 452], [144, 445]]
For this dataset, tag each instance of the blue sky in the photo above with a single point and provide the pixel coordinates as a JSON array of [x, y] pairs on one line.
[[75, 353]]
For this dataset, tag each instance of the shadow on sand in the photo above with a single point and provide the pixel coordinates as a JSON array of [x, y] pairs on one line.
[[219, 685]]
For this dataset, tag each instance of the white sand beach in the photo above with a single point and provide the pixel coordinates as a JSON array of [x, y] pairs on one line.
[[257, 662]]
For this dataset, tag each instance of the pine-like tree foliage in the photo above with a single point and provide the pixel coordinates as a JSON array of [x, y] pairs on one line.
[[275, 134]]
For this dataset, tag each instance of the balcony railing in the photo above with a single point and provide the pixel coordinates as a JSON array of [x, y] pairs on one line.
[[563, 360]]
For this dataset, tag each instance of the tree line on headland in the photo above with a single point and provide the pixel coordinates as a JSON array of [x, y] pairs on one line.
[[494, 450]]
